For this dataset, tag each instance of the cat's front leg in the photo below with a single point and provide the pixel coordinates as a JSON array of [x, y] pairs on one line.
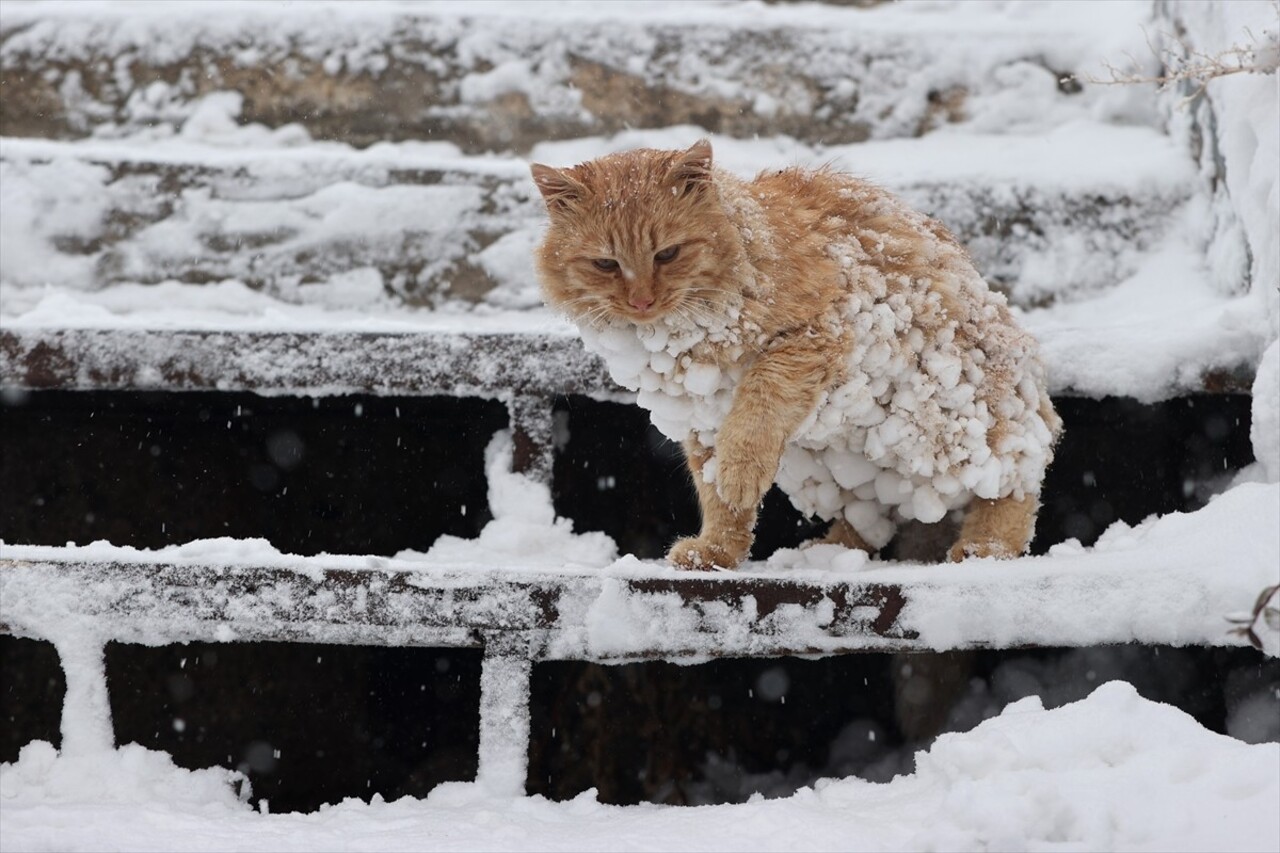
[[726, 535], [774, 398], [776, 395]]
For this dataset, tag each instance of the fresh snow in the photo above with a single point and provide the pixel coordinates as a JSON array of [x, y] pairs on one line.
[[1111, 772], [1265, 422], [1144, 314], [1173, 580], [1150, 333]]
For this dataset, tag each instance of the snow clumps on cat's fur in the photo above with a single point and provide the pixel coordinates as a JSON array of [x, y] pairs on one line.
[[934, 396]]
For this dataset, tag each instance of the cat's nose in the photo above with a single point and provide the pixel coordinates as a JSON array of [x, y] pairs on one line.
[[641, 303]]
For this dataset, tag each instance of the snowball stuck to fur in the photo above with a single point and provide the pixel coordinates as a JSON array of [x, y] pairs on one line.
[[936, 395]]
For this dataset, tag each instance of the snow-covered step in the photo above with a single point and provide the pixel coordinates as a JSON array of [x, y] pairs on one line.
[[506, 75], [358, 602], [1045, 218], [495, 358], [534, 357], [1172, 580]]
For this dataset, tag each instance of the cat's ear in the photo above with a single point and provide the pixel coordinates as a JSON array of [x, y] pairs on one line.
[[691, 168], [558, 190]]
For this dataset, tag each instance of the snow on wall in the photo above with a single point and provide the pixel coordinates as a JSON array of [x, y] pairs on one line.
[[1234, 129]]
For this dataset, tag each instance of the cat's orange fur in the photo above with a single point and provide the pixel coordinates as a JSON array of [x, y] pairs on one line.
[[763, 248]]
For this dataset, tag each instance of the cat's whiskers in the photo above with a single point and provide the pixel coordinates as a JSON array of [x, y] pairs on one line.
[[570, 306], [708, 314], [596, 316]]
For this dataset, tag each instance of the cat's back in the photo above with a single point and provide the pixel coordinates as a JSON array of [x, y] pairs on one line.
[[840, 206]]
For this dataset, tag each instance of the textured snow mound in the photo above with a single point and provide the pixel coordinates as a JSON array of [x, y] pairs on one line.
[[130, 775], [1111, 772], [525, 531]]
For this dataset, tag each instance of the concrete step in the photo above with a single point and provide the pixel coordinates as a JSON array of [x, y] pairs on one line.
[[478, 357], [419, 225], [502, 77]]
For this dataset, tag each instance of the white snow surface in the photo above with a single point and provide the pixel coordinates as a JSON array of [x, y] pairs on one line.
[[1113, 771], [1246, 118], [1170, 580]]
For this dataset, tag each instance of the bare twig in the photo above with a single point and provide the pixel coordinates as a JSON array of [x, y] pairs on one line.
[[1184, 64], [1269, 615]]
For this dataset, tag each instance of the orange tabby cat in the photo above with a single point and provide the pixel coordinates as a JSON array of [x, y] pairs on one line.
[[805, 328]]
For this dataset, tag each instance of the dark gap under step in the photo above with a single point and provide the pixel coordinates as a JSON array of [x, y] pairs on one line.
[[31, 689], [725, 730], [315, 724], [375, 475], [354, 475], [308, 724], [1119, 460]]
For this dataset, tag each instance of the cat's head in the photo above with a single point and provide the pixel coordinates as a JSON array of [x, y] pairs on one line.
[[636, 237]]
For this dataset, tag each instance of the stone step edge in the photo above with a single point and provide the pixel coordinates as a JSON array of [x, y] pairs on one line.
[[414, 162], [495, 365], [527, 79]]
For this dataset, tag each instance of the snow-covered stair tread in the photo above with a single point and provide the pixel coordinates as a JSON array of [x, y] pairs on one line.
[[503, 76], [1172, 580], [463, 358], [1102, 260], [1045, 217]]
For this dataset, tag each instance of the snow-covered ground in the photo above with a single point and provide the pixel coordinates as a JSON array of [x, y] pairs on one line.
[[1111, 772]]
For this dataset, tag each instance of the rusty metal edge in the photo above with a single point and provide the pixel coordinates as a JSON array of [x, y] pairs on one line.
[[220, 596]]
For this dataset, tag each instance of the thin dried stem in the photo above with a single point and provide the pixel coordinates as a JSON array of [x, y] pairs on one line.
[[1184, 64]]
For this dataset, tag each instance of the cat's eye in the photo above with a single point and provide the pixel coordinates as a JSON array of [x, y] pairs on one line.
[[605, 264], [667, 255]]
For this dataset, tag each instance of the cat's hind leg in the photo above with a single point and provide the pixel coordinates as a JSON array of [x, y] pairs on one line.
[[726, 534], [842, 533], [869, 521], [997, 528]]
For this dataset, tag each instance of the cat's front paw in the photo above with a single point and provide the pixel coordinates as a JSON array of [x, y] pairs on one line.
[[698, 553]]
